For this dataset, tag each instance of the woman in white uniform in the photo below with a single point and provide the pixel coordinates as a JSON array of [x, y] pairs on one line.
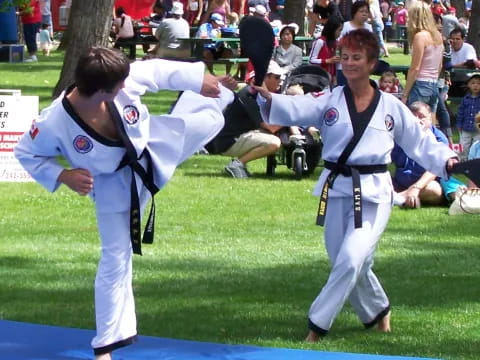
[[355, 184], [121, 156]]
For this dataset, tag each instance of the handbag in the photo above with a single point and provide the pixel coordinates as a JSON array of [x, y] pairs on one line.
[[467, 201]]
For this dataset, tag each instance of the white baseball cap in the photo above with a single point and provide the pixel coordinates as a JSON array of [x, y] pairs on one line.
[[274, 68], [260, 10], [177, 8], [217, 18]]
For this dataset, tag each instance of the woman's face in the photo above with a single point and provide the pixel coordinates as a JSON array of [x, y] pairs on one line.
[[355, 64], [286, 37], [361, 15]]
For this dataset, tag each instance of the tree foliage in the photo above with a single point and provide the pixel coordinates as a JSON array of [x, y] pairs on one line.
[[8, 4]]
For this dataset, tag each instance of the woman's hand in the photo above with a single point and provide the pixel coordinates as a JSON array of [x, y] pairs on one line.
[[404, 99], [451, 163], [263, 91], [210, 87], [79, 180], [333, 60], [412, 197], [228, 81]]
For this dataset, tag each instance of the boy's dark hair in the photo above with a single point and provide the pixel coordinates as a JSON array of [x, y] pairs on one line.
[[474, 76], [100, 69], [45, 26], [458, 30]]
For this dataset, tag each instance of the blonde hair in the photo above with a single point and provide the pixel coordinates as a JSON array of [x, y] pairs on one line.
[[420, 18]]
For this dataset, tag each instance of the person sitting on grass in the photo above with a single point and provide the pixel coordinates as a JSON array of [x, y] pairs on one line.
[[413, 184], [245, 137]]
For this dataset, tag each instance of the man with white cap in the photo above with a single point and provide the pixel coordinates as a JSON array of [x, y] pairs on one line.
[[214, 50], [245, 137], [168, 33], [260, 11]]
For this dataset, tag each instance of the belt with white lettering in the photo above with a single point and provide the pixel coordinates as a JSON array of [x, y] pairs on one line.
[[135, 212], [346, 170]]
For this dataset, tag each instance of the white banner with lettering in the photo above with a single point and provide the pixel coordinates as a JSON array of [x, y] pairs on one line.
[[16, 115]]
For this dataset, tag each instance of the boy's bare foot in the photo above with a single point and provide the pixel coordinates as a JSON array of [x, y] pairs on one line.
[[104, 357], [384, 324], [312, 337]]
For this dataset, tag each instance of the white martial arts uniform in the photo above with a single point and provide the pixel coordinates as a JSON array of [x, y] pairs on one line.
[[351, 250], [169, 139]]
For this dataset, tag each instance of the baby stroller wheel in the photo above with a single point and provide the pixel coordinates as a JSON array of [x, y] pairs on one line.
[[271, 165], [298, 166]]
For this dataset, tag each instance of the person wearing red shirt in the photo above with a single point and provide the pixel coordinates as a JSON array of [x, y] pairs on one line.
[[31, 19], [438, 8]]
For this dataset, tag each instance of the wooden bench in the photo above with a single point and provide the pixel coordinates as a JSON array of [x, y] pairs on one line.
[[131, 45]]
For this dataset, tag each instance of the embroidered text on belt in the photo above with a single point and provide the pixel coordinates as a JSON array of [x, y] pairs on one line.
[[346, 170], [135, 213]]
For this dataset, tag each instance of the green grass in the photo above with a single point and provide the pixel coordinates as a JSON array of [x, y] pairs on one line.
[[237, 261]]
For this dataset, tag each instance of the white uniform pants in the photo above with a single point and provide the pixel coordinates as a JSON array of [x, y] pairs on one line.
[[351, 254], [114, 303]]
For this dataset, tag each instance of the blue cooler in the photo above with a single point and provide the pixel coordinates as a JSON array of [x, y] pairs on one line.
[[8, 29]]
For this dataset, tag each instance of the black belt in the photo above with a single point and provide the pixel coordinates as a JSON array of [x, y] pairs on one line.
[[346, 170], [135, 213]]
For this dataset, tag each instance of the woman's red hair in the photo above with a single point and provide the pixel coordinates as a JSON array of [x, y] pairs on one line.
[[361, 39]]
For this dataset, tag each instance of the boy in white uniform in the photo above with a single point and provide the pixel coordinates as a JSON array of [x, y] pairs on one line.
[[121, 155]]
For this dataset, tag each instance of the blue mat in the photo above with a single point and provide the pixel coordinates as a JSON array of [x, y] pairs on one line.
[[24, 341]]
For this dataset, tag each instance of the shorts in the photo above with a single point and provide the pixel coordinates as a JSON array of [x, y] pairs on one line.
[[426, 92], [45, 46], [450, 186], [250, 140]]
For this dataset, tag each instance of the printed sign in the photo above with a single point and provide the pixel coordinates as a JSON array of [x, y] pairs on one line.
[[16, 115]]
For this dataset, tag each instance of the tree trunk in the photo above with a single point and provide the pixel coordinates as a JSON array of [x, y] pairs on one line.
[[459, 5], [89, 23], [295, 12], [474, 27]]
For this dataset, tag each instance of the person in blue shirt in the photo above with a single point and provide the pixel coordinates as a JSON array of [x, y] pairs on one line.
[[413, 184], [466, 113], [216, 49]]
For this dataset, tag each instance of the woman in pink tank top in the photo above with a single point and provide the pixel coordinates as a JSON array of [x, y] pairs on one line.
[[427, 56]]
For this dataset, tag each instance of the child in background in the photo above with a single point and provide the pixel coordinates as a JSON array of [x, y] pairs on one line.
[[388, 83], [45, 39], [293, 90], [467, 113], [474, 152]]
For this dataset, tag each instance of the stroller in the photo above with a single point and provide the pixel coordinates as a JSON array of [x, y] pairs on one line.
[[301, 152]]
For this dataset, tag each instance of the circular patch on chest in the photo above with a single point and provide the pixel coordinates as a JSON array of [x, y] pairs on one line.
[[130, 114], [389, 122], [82, 144], [330, 117]]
